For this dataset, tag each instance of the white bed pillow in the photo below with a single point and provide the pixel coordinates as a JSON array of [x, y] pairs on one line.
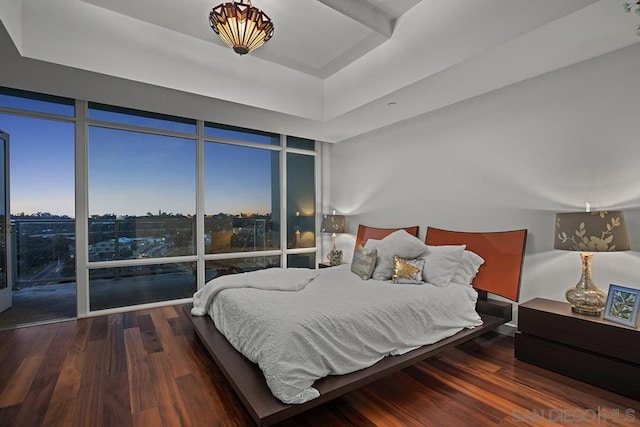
[[441, 263], [371, 244], [399, 243], [467, 269]]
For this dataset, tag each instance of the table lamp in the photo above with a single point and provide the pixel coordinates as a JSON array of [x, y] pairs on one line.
[[334, 224], [587, 232]]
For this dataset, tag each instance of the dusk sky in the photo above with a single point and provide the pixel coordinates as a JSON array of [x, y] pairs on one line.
[[42, 166], [130, 173]]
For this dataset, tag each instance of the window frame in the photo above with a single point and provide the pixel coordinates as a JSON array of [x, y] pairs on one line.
[[82, 122]]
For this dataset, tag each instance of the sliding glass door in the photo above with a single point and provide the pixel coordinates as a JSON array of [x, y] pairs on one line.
[[42, 274], [5, 288]]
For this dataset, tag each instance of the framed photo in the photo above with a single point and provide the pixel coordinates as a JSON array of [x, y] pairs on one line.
[[622, 305]]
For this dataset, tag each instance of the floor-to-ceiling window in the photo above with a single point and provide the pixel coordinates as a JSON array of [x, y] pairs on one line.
[[42, 203], [241, 200], [141, 205], [164, 203], [301, 202]]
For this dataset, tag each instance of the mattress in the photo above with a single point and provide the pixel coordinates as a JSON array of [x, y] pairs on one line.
[[335, 325]]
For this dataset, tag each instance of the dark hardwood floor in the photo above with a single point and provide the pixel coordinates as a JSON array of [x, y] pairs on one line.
[[146, 368]]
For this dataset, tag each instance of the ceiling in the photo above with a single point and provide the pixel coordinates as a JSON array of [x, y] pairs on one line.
[[334, 68], [319, 46]]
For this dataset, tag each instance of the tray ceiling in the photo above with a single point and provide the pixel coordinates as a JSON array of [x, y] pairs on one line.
[[333, 66]]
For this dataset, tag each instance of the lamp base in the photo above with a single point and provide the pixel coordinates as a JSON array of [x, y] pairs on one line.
[[335, 256], [585, 297], [586, 310]]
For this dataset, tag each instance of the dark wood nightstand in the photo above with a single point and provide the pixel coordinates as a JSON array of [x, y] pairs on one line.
[[587, 348], [326, 265]]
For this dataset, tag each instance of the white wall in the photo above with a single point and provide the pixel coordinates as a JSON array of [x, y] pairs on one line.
[[509, 159]]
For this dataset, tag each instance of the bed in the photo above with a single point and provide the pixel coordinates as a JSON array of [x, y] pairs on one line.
[[503, 253]]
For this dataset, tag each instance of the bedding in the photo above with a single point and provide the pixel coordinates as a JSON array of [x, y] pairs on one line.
[[273, 279], [468, 268], [335, 324]]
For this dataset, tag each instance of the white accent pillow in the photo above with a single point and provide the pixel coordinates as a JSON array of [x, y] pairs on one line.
[[441, 262], [399, 243], [468, 268]]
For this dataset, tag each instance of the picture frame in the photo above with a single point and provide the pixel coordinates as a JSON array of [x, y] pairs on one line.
[[622, 305]]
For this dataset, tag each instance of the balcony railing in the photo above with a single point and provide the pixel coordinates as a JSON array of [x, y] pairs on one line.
[[43, 249]]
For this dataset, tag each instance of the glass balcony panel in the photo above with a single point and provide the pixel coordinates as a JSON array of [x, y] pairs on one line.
[[216, 268], [140, 284], [44, 251], [301, 260]]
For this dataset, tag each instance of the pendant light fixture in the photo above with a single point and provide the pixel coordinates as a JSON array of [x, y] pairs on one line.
[[241, 26]]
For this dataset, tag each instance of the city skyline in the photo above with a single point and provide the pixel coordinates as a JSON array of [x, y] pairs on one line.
[[163, 169]]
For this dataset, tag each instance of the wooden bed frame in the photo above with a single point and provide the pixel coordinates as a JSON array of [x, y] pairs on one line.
[[504, 249]]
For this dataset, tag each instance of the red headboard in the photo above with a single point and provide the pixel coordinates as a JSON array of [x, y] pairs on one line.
[[365, 233], [502, 251]]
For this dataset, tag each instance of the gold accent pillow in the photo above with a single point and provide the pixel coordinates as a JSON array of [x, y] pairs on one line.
[[407, 270]]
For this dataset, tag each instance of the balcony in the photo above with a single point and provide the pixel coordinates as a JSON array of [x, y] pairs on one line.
[[43, 268]]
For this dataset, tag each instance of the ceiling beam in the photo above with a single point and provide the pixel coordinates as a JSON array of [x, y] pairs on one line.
[[365, 13], [11, 19]]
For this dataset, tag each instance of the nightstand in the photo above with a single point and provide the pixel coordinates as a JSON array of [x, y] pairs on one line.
[[587, 348], [326, 265]]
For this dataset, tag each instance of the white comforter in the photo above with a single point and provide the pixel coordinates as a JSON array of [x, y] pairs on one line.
[[273, 279], [336, 324]]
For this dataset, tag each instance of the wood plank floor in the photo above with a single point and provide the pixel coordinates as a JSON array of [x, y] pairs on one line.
[[146, 368]]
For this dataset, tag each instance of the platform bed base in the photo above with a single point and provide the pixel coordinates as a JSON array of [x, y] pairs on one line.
[[249, 384]]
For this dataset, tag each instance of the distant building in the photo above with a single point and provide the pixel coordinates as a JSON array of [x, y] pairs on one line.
[[137, 247]]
